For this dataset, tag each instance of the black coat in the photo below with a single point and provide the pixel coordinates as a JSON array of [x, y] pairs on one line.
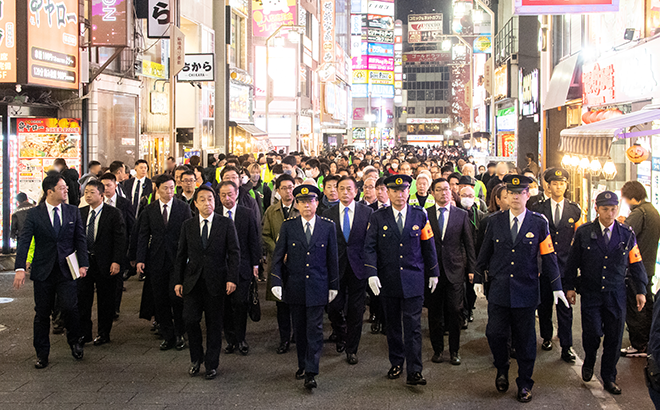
[[456, 254], [110, 244], [351, 253], [147, 188], [128, 212]]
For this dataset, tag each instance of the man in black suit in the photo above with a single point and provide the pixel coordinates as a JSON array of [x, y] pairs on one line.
[[158, 236], [456, 258], [206, 269], [139, 185], [106, 247], [236, 307], [231, 173], [58, 232], [351, 220], [118, 169]]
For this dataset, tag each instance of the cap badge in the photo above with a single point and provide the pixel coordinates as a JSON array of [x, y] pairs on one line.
[[515, 181], [304, 191], [558, 173], [608, 195], [399, 181]]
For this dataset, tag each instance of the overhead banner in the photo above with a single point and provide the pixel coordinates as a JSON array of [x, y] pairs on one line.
[[198, 67], [109, 23], [537, 7], [382, 8], [376, 35], [430, 57], [159, 18], [8, 43], [268, 16]]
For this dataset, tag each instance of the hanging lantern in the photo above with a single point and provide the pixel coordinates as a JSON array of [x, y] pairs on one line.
[[609, 170], [592, 116], [637, 154], [601, 115], [566, 161], [584, 164], [595, 168]]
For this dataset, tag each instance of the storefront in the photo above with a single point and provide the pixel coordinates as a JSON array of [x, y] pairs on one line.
[[506, 116]]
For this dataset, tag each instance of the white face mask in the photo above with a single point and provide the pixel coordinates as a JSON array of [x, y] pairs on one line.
[[533, 191], [245, 179], [394, 166], [467, 202], [308, 173]]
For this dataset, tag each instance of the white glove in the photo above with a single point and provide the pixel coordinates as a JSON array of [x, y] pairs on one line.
[[433, 283], [559, 295], [277, 292], [374, 284], [332, 294]]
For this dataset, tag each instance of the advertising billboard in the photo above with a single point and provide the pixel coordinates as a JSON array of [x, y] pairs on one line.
[[109, 24], [268, 16], [378, 21], [378, 49], [380, 63], [376, 35], [424, 28], [537, 7], [8, 42]]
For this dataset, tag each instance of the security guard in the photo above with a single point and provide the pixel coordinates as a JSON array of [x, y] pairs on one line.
[[564, 218], [306, 265], [513, 243], [604, 250], [399, 251]]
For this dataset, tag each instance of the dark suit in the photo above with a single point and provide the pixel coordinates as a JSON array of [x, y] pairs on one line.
[[402, 261], [157, 246], [109, 247], [310, 271], [128, 185], [128, 212], [562, 236], [204, 273], [455, 260], [236, 308], [50, 271], [352, 276]]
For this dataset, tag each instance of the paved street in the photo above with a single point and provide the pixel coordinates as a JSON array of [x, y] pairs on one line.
[[132, 373]]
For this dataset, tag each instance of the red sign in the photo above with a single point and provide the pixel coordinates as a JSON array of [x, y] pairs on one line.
[[426, 57], [536, 7], [598, 85]]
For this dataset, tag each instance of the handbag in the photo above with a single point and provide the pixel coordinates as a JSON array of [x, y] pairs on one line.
[[255, 306]]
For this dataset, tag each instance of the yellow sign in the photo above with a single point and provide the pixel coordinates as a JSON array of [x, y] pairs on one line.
[[360, 77], [154, 70], [381, 77]]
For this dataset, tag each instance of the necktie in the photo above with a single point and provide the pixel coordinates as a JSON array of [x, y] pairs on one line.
[[557, 215], [606, 236], [514, 229], [308, 232], [285, 210], [205, 233], [347, 225], [120, 192], [90, 231], [399, 222], [229, 215], [165, 214], [136, 196], [441, 222], [57, 223]]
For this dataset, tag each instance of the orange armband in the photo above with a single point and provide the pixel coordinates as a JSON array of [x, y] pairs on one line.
[[427, 232], [546, 246], [634, 255]]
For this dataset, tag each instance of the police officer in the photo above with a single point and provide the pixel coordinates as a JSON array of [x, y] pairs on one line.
[[604, 250], [513, 243], [399, 251], [306, 265], [564, 218]]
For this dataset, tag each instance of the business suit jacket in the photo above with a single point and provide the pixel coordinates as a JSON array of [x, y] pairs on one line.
[[351, 253], [147, 188], [248, 240], [157, 243], [272, 223], [51, 248], [561, 233], [513, 270], [216, 264], [310, 270], [456, 251], [128, 212], [400, 260], [110, 244]]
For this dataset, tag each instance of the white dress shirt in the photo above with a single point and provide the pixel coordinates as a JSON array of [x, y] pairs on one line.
[[225, 212], [351, 214], [446, 217], [520, 217], [383, 204], [112, 201], [553, 206], [403, 212], [602, 229], [97, 212], [312, 223], [51, 214], [169, 207], [209, 223], [137, 186]]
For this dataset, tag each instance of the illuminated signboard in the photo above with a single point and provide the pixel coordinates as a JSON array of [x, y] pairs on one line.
[[382, 8], [383, 50], [376, 35], [378, 21], [328, 34], [537, 7], [376, 90], [424, 28], [52, 42], [501, 80], [359, 62], [381, 77], [529, 93], [423, 57], [360, 77], [109, 24], [8, 42], [380, 63], [268, 16], [598, 85]]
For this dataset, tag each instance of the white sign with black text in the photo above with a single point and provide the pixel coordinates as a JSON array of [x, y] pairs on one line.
[[159, 18], [198, 67]]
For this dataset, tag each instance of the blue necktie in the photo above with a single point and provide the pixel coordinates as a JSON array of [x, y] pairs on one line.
[[57, 223], [347, 225], [229, 215], [205, 234], [514, 229], [441, 221]]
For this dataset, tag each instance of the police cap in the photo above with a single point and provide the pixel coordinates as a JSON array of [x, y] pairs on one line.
[[606, 198], [555, 174], [398, 181], [517, 183], [306, 192]]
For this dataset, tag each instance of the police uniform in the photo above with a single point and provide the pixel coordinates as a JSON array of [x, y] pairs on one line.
[[307, 278], [512, 263], [563, 223], [400, 259], [603, 267]]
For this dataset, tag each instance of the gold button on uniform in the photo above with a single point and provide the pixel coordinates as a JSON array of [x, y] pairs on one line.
[[512, 263], [308, 264]]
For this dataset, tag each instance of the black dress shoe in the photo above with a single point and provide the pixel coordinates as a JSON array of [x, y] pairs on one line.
[[383, 329], [464, 326], [333, 338], [300, 374], [58, 330], [210, 374], [416, 379], [41, 363], [194, 369], [283, 348], [167, 344], [244, 348], [86, 339], [375, 327], [547, 345], [568, 355], [455, 359], [612, 388], [437, 357], [502, 383], [154, 326], [230, 349], [142, 277], [394, 372], [101, 340], [524, 395], [310, 382], [341, 346], [587, 372], [77, 351], [351, 358], [180, 343], [471, 318]]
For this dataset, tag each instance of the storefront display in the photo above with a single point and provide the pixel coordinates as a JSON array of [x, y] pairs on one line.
[[507, 122]]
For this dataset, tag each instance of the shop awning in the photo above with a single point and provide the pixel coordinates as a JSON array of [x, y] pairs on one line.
[[252, 130], [560, 82], [595, 139]]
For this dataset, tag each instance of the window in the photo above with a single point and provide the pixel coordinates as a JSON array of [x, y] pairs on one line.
[[236, 40]]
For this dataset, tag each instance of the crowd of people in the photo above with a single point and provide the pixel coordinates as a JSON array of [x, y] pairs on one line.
[[396, 231]]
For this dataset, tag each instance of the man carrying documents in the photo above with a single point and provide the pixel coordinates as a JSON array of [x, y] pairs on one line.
[[58, 235]]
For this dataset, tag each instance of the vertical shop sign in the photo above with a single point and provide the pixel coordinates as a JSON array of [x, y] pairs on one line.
[[328, 31], [8, 42], [159, 18]]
